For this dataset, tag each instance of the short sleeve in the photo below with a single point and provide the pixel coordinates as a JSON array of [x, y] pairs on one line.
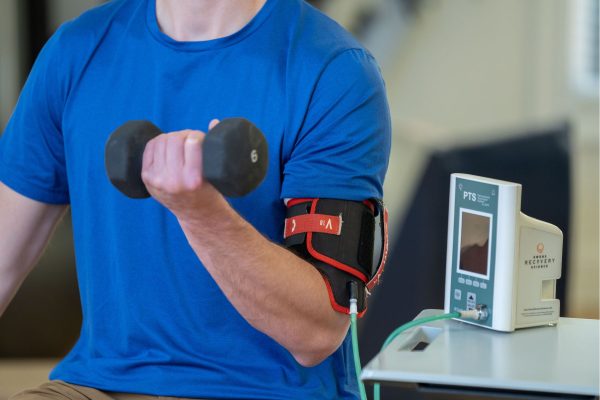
[[32, 157], [343, 148]]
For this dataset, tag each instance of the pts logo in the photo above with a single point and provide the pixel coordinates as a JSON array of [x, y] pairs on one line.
[[469, 196]]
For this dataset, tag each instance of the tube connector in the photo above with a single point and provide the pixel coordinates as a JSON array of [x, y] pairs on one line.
[[479, 313], [353, 288], [353, 307]]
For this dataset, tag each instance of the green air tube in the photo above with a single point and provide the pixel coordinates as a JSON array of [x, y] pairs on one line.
[[361, 386], [398, 331]]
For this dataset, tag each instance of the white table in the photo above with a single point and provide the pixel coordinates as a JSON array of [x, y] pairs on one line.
[[545, 361]]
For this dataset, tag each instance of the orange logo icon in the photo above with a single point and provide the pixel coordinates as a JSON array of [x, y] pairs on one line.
[[540, 248]]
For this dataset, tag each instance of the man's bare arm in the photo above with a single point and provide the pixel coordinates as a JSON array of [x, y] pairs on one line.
[[278, 293], [25, 227]]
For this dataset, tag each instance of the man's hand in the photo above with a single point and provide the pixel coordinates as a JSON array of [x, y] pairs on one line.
[[172, 172]]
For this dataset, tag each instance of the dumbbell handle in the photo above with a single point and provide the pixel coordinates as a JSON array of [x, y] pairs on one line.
[[234, 157]]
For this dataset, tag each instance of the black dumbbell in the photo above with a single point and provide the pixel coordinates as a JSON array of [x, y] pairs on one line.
[[234, 157]]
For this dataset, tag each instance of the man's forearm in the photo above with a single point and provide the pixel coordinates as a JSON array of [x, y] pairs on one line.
[[278, 293], [275, 291]]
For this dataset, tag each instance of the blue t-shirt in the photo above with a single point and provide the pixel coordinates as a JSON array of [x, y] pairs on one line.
[[154, 321]]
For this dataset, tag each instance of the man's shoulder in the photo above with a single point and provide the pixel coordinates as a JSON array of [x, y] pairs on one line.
[[319, 38], [93, 24]]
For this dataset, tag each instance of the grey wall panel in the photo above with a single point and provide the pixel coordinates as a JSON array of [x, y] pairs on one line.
[[9, 59]]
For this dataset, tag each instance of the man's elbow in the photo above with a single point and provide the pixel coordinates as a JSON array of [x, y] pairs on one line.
[[311, 359], [316, 349]]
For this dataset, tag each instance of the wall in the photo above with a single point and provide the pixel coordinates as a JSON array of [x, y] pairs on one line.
[[9, 87], [469, 69]]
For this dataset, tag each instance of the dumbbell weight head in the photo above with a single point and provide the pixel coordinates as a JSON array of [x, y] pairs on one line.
[[234, 153], [123, 156], [235, 157]]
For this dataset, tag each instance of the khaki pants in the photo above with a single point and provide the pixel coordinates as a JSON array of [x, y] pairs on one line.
[[59, 390]]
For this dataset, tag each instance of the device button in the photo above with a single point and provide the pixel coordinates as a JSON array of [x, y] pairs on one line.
[[483, 285], [457, 294], [469, 282], [461, 280], [475, 283], [471, 300]]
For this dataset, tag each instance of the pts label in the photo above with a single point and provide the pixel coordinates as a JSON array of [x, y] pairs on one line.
[[469, 196]]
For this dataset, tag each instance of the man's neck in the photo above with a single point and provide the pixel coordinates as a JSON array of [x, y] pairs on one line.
[[199, 20]]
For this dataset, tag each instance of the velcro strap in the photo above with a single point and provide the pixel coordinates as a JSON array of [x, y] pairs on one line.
[[319, 223]]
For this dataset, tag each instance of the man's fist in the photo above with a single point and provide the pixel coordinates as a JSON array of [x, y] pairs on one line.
[[172, 171]]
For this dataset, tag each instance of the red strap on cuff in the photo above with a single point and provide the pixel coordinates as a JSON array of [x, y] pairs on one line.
[[318, 223]]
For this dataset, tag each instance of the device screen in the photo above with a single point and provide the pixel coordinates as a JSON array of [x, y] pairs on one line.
[[474, 242]]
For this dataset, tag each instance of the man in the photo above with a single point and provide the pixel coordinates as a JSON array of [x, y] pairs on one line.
[[189, 294]]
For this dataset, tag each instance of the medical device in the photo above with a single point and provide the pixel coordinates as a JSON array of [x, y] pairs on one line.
[[500, 262]]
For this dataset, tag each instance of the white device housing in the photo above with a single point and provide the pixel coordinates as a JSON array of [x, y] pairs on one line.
[[516, 282]]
